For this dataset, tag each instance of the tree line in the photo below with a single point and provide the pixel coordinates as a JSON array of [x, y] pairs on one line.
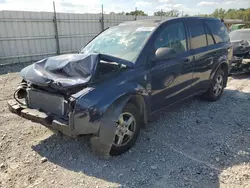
[[242, 13]]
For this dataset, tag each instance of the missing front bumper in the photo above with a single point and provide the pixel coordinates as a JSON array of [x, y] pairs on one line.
[[57, 125], [51, 122]]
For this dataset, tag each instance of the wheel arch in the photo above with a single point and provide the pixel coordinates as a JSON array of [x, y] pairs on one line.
[[224, 66], [140, 104], [101, 143]]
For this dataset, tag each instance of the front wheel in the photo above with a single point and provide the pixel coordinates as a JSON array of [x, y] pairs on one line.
[[127, 130], [217, 86]]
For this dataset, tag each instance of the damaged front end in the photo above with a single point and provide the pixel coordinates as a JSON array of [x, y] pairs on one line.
[[56, 92], [241, 57]]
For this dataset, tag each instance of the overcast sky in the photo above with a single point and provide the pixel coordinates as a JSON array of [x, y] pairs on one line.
[[149, 6]]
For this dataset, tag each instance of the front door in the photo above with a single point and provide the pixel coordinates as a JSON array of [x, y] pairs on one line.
[[171, 79]]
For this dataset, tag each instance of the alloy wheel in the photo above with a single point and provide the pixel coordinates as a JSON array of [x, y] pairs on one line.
[[125, 129], [218, 86]]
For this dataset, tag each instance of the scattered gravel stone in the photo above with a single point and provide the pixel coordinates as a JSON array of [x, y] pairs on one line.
[[212, 174], [163, 160], [4, 136], [153, 167], [2, 165], [217, 159], [179, 150], [198, 121], [120, 175], [82, 181], [44, 159]]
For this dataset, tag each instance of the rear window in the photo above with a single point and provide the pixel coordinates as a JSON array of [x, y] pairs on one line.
[[219, 31], [198, 35]]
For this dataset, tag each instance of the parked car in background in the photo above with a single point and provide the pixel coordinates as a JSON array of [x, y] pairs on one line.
[[239, 26], [123, 76], [241, 51]]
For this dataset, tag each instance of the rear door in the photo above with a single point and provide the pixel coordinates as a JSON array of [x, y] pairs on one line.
[[209, 43], [203, 53], [222, 47]]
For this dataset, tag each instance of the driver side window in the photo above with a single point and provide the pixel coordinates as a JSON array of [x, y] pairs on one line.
[[172, 36]]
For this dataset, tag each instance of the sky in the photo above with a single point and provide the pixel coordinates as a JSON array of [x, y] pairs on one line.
[[191, 7]]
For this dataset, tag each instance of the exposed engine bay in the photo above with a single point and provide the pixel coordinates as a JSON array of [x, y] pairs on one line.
[[48, 84]]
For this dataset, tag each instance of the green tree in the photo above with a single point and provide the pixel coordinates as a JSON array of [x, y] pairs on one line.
[[137, 13], [246, 16], [119, 13], [171, 13], [219, 13], [242, 14]]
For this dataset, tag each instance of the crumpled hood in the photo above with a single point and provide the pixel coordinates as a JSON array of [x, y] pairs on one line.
[[63, 71], [240, 47]]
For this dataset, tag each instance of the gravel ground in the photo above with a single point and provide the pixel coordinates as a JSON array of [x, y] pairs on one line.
[[196, 144]]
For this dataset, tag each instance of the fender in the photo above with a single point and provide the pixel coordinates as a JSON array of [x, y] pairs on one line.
[[221, 61], [102, 143], [112, 108], [90, 107], [122, 90]]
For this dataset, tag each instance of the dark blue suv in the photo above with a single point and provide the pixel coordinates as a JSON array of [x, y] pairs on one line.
[[124, 75]]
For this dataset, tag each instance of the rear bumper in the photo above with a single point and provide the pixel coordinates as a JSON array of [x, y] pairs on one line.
[[54, 123]]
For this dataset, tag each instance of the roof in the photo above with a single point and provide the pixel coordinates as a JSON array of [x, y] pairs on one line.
[[148, 22], [155, 22]]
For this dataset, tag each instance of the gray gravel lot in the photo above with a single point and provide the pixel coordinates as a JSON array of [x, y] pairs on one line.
[[195, 144]]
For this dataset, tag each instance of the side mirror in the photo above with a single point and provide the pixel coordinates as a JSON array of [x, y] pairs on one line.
[[164, 53]]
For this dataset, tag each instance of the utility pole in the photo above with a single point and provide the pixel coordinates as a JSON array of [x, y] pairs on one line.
[[135, 13], [56, 30], [102, 19]]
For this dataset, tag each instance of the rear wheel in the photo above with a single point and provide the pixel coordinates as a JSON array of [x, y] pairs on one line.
[[127, 130], [217, 86]]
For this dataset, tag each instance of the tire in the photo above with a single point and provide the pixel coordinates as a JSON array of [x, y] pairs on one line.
[[129, 111], [212, 94]]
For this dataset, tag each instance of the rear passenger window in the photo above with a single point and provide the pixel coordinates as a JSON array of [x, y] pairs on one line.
[[210, 40], [219, 31], [172, 36], [199, 39]]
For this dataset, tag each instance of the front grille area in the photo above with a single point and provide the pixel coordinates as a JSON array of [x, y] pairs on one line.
[[46, 102]]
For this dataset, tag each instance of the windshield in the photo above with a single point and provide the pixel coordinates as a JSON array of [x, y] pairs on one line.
[[124, 42], [240, 35]]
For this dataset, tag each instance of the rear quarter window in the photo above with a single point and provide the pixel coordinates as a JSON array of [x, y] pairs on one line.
[[219, 31]]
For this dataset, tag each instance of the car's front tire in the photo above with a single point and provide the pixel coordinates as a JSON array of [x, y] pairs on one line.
[[217, 86], [127, 130]]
